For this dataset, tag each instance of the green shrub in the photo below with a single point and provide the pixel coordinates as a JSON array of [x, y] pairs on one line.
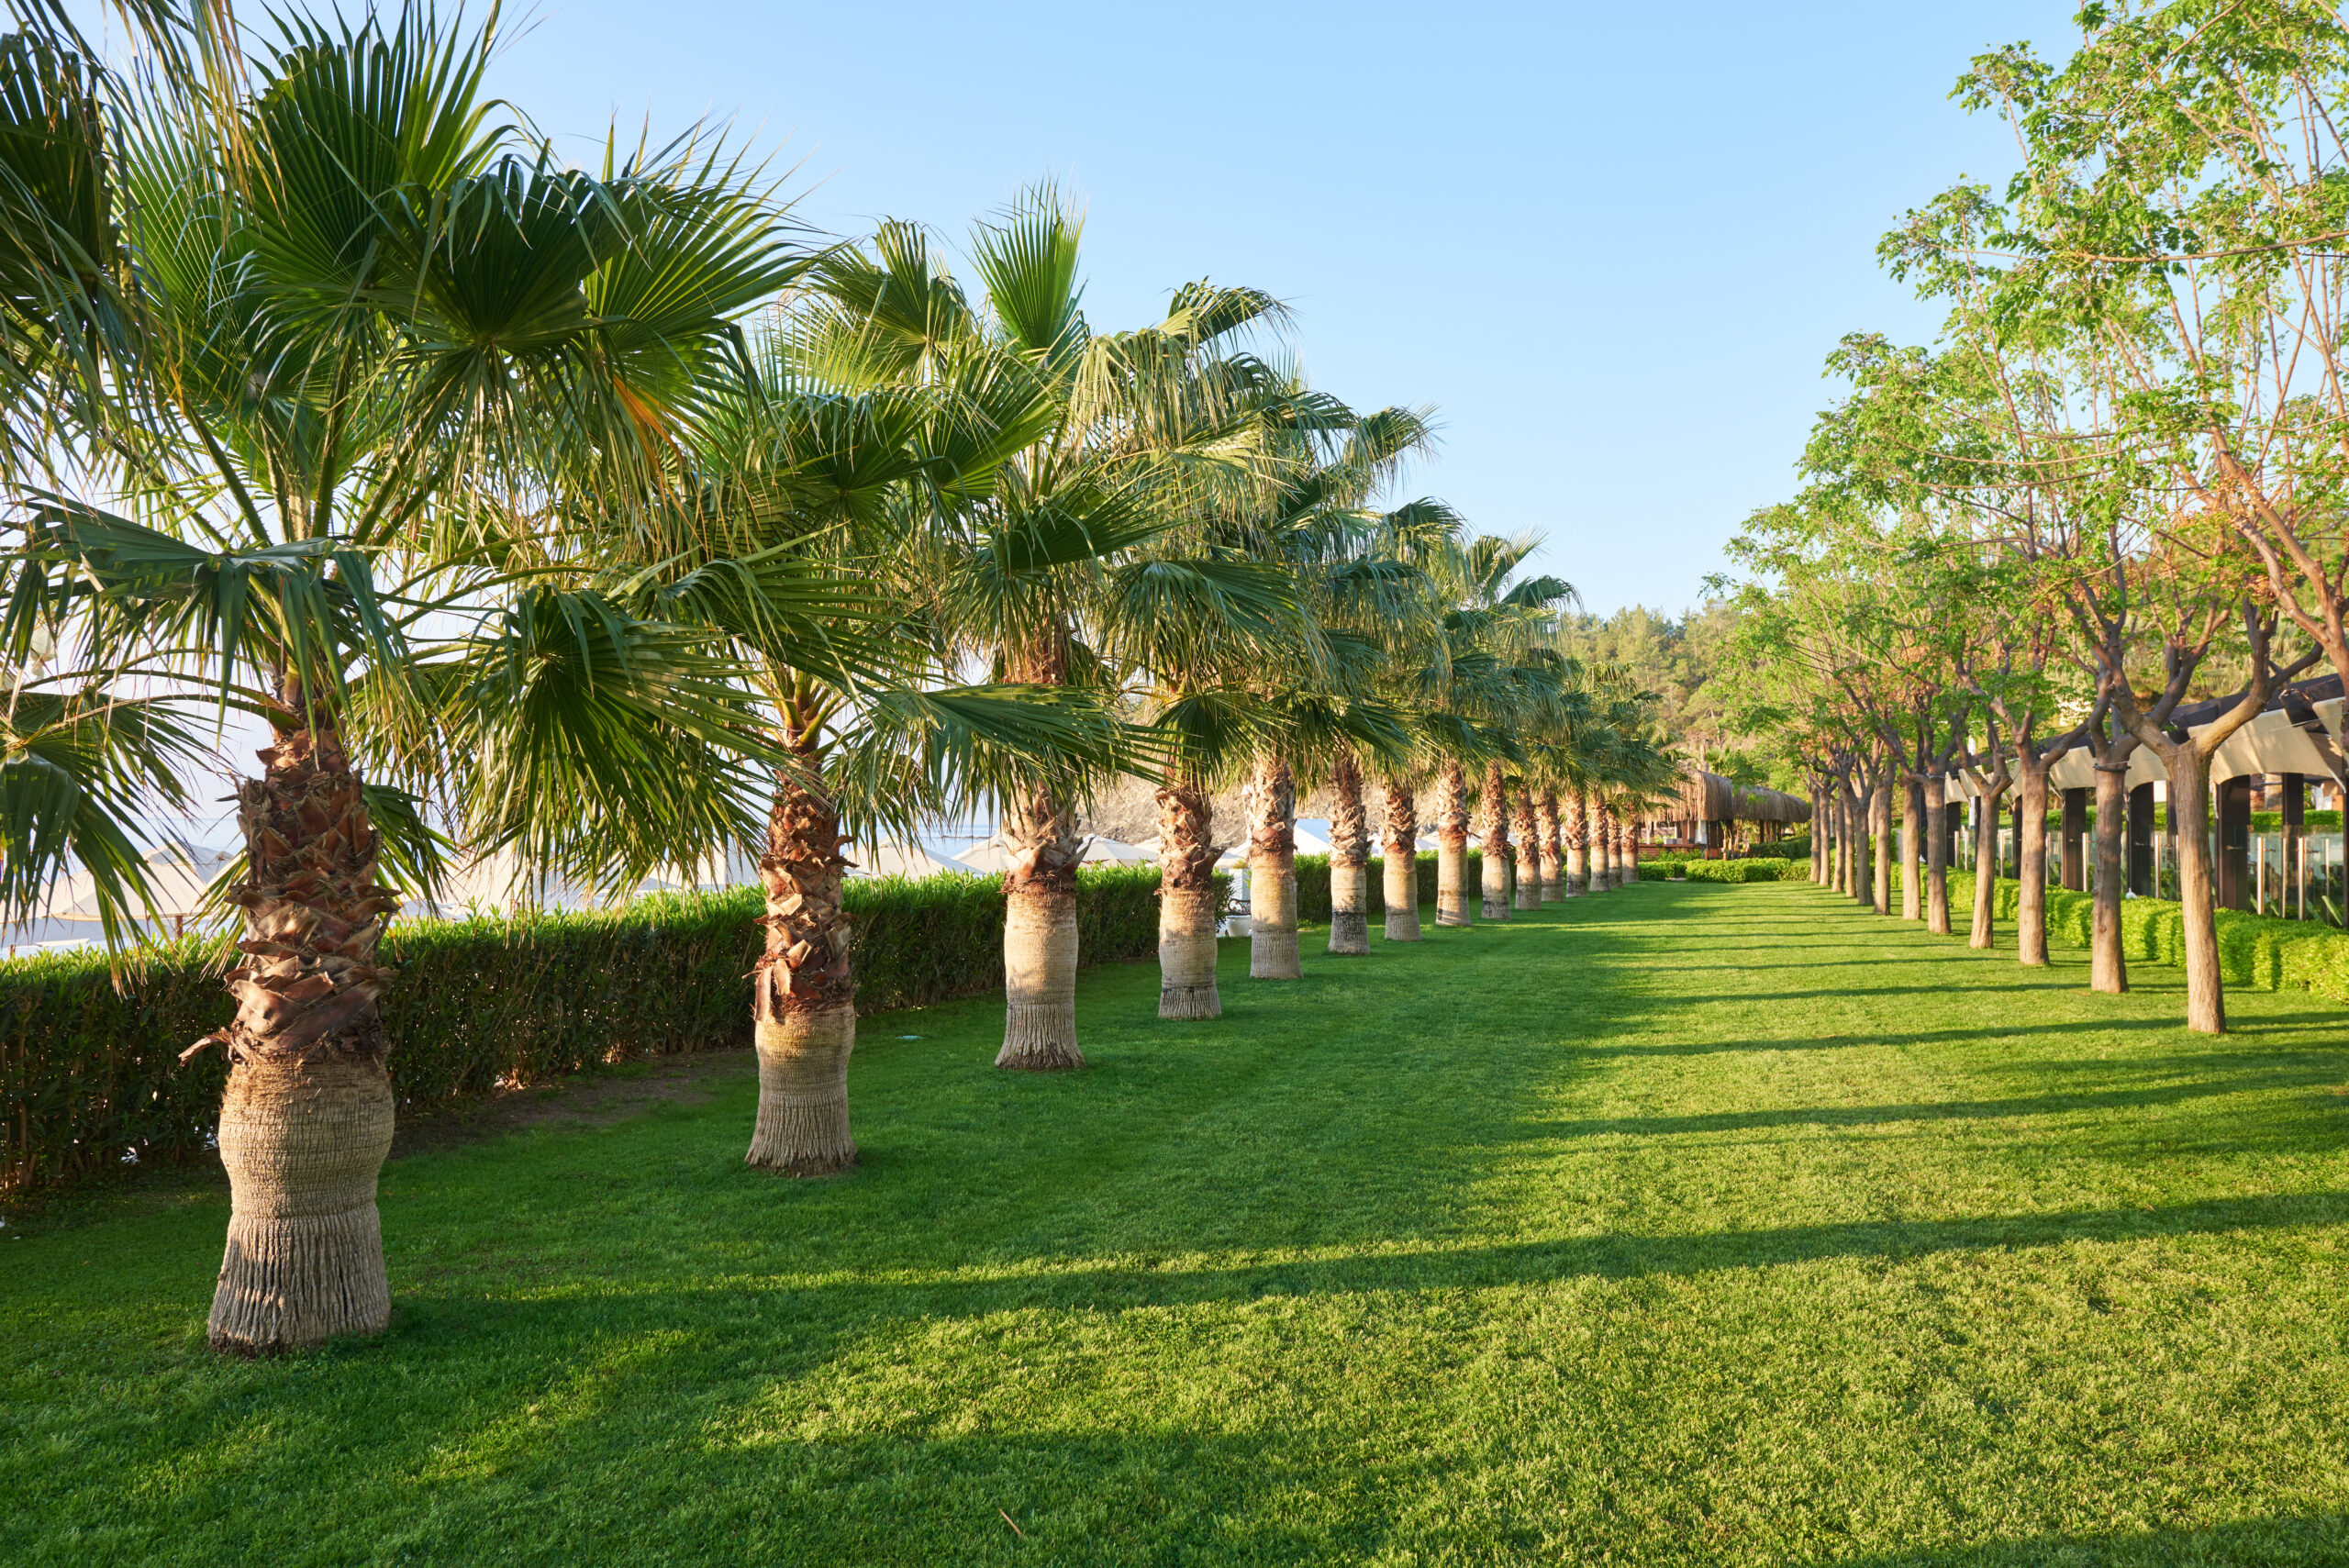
[[2318, 822], [1741, 870], [1313, 884], [2258, 950], [90, 1073]]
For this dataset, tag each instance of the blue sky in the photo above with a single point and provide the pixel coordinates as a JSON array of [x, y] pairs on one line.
[[1611, 243]]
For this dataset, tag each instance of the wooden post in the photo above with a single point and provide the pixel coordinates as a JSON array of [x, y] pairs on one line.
[[2076, 829], [2140, 840], [2295, 803], [2235, 843]]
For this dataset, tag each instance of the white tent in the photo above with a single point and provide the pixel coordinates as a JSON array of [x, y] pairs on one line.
[[177, 875], [988, 855], [894, 860]]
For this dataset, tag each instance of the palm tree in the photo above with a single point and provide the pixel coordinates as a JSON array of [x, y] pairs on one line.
[[369, 317], [1110, 453]]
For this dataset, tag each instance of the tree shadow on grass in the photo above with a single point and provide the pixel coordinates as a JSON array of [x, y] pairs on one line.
[[2281, 1540]]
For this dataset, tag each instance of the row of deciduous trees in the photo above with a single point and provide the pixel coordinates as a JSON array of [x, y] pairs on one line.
[[2113, 486], [607, 518]]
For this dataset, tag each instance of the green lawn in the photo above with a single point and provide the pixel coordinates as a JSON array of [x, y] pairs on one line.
[[1685, 1224]]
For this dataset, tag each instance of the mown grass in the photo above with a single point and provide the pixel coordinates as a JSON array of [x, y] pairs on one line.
[[1682, 1225]]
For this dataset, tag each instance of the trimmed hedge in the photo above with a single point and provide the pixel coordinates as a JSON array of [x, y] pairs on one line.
[[1744, 871], [2258, 950], [90, 1076], [1313, 884]]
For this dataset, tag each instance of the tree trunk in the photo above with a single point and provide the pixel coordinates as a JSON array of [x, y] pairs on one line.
[[1551, 858], [1400, 831], [1039, 933], [1937, 854], [1627, 849], [1525, 893], [1039, 942], [306, 1121], [1573, 837], [2107, 962], [1349, 859], [2189, 805], [1818, 837], [1186, 902], [1494, 817], [1986, 871], [2031, 906], [1880, 824], [803, 996], [1856, 869], [1912, 829], [1272, 872], [1452, 846], [1594, 813]]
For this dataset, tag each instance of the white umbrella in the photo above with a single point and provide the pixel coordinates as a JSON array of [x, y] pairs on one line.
[[986, 855]]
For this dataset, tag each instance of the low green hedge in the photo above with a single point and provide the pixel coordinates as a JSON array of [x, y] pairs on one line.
[[1313, 884], [90, 1076], [1742, 871], [2258, 950]]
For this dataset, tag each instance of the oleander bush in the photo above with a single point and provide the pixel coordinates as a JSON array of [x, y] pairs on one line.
[[89, 1066]]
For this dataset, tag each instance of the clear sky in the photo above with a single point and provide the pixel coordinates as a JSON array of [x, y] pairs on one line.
[[1611, 243]]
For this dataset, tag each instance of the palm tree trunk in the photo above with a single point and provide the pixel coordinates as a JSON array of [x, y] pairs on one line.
[[2108, 960], [306, 1121], [1551, 859], [1349, 858], [1272, 872], [1452, 845], [804, 990], [1573, 833], [1595, 814], [1525, 889], [1495, 830], [1040, 943], [1628, 834], [1039, 940], [1399, 835], [2031, 907], [1186, 911]]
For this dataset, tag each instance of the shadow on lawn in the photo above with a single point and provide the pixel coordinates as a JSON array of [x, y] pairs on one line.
[[854, 1308], [2278, 1541]]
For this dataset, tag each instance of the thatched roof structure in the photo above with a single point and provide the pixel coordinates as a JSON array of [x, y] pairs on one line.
[[1709, 797]]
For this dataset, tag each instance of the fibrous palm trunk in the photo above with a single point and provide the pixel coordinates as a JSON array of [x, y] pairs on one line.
[[1551, 858], [1399, 833], [803, 1013], [1494, 815], [1573, 833], [1349, 859], [1272, 872], [1595, 814], [1039, 939], [1525, 890], [1186, 902], [1452, 845], [306, 1121], [1627, 837]]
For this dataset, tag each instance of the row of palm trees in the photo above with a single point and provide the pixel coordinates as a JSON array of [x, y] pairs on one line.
[[607, 518]]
